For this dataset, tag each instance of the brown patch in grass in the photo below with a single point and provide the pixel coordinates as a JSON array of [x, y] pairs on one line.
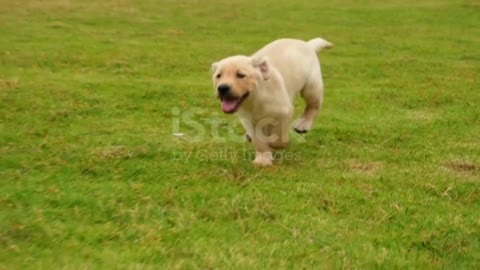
[[122, 152], [9, 83], [460, 166], [369, 168]]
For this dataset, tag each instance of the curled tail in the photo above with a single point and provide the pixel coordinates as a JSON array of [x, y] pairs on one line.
[[317, 44]]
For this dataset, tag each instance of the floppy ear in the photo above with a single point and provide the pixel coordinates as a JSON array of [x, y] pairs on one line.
[[214, 67], [262, 64]]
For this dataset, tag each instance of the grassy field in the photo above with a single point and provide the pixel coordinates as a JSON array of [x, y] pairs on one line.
[[92, 177]]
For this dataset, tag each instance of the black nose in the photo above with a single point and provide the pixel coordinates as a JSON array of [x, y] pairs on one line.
[[223, 89]]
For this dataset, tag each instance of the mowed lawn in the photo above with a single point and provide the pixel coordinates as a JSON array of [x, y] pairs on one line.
[[92, 176]]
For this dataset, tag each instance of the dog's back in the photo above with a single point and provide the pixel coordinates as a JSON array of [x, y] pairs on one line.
[[295, 60]]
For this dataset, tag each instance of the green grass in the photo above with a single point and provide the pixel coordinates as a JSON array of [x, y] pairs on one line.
[[91, 176]]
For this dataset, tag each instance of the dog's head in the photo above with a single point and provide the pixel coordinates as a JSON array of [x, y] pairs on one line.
[[237, 77]]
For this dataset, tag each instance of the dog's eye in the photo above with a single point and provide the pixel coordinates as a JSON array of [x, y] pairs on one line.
[[241, 75], [219, 75]]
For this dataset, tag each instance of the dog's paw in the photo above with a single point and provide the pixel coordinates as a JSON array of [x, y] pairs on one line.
[[303, 126], [262, 162], [300, 131], [263, 159]]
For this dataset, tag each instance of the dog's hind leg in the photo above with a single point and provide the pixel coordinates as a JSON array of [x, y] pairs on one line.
[[312, 93]]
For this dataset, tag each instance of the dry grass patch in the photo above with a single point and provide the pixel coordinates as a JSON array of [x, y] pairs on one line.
[[366, 168]]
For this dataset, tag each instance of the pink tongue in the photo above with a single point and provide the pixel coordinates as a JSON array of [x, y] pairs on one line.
[[228, 105]]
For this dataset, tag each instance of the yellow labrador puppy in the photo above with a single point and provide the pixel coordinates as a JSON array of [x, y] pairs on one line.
[[261, 88]]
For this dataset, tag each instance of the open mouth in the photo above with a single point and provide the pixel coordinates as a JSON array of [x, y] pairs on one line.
[[231, 104]]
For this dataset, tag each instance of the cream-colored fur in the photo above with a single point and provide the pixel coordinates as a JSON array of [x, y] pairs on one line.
[[261, 88]]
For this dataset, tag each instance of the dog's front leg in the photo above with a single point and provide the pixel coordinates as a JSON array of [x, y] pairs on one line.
[[263, 153], [280, 138]]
